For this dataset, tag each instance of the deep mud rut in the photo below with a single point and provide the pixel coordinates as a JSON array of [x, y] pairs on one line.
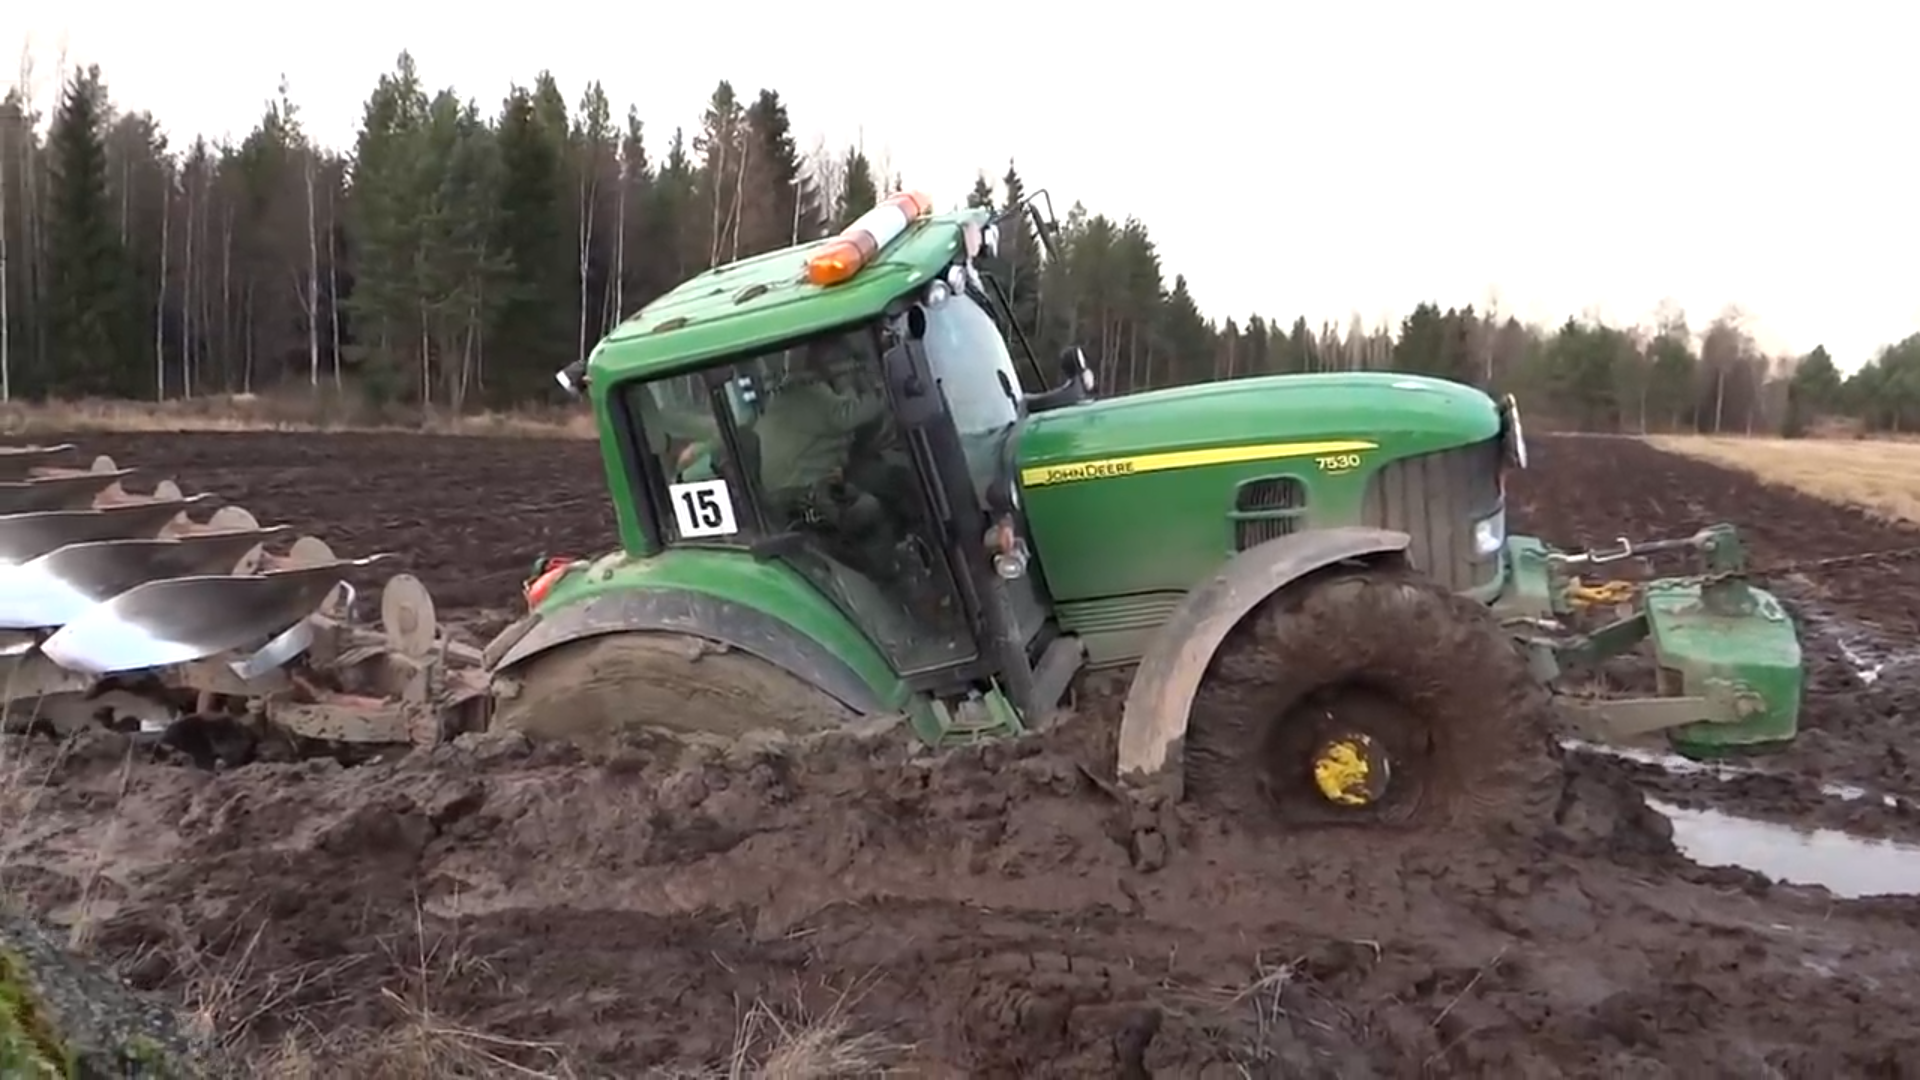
[[977, 914]]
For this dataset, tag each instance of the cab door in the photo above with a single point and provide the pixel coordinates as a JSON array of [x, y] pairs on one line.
[[956, 431], [969, 358]]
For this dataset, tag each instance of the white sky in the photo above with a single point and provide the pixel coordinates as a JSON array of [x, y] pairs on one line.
[[1320, 159]]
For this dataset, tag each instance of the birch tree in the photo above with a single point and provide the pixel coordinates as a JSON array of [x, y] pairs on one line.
[[591, 138]]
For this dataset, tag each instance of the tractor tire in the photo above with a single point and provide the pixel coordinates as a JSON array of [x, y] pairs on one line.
[[1429, 680], [598, 691]]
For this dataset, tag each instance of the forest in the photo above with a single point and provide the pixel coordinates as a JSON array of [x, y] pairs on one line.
[[457, 254]]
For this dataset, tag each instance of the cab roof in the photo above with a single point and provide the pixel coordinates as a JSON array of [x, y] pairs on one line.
[[765, 299]]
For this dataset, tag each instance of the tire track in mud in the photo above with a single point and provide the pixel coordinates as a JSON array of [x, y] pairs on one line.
[[971, 914]]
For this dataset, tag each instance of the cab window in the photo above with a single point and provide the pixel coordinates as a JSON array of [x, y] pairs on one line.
[[976, 373], [971, 360], [801, 440]]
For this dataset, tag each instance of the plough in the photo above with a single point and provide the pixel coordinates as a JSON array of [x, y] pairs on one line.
[[129, 610]]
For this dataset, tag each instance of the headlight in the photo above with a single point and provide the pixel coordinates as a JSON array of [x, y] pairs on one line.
[[1490, 533]]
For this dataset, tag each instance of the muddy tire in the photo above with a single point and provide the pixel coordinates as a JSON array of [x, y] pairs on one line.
[[595, 691], [1429, 677]]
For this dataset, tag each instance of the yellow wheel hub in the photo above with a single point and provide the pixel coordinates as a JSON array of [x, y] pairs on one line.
[[1350, 770]]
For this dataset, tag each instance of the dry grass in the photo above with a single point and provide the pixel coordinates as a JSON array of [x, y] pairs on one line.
[[249, 412], [1880, 475]]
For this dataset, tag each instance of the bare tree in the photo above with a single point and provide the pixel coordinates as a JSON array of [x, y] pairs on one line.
[[160, 302], [333, 281], [313, 277], [188, 268], [6, 320], [34, 227], [829, 172], [593, 130]]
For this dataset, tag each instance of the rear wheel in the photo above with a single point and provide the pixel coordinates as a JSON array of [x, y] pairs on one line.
[[1368, 696], [595, 690]]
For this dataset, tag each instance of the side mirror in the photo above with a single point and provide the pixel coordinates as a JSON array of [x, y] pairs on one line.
[[1513, 438], [573, 378], [1077, 387], [1073, 365]]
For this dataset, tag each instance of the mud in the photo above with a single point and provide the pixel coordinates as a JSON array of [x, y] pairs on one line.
[[979, 913]]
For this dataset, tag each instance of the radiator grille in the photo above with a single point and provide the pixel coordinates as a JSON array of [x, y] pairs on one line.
[[1435, 498]]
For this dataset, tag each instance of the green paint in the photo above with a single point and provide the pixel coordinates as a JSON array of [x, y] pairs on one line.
[[744, 307], [771, 587], [1528, 590], [1748, 662], [761, 301], [1131, 502], [1153, 532]]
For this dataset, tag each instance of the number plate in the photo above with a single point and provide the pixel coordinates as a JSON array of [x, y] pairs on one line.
[[702, 508]]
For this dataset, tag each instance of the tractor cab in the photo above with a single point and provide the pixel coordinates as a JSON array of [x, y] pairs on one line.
[[872, 457]]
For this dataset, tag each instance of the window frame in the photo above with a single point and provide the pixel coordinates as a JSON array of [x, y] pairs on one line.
[[750, 510]]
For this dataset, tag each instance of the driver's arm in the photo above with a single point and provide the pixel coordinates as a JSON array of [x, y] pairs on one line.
[[666, 424], [683, 424], [852, 409]]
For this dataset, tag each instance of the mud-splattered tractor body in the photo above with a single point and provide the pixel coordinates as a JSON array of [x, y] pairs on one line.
[[836, 504], [936, 543]]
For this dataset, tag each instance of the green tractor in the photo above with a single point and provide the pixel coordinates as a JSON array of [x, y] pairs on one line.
[[835, 501]]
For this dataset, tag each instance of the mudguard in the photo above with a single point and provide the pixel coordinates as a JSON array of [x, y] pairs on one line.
[[1153, 725], [695, 614]]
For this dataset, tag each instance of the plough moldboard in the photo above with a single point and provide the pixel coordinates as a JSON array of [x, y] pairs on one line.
[[130, 610]]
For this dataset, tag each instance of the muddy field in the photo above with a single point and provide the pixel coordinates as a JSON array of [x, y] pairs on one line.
[[845, 907]]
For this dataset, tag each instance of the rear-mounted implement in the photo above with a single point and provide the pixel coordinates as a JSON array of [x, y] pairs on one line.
[[124, 608]]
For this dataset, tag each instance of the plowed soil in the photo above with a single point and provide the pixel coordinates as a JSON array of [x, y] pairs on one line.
[[844, 905]]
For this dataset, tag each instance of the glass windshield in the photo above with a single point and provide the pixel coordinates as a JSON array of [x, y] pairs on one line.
[[820, 459], [976, 373], [971, 360]]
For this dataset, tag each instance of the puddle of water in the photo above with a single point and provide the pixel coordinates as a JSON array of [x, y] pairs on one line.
[[1848, 866], [1679, 766]]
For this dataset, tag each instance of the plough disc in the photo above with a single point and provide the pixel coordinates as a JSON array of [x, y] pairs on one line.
[[119, 607]]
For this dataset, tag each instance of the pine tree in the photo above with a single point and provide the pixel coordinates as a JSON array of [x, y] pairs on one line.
[[782, 210], [91, 306], [529, 337], [858, 193], [981, 197]]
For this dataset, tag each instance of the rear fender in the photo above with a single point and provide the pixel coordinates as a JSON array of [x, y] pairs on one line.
[[1153, 726], [694, 614]]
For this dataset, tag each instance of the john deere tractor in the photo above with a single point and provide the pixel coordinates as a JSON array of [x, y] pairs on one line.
[[837, 502]]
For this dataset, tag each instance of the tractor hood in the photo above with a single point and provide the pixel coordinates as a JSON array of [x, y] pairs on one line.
[[1407, 413], [1137, 495]]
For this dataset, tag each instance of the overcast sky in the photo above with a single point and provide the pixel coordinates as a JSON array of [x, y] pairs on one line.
[[1319, 159]]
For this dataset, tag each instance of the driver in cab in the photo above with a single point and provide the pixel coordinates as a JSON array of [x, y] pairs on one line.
[[808, 429]]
